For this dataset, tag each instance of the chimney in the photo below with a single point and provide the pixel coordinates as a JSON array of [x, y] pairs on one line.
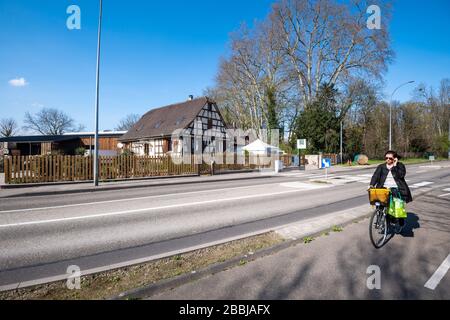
[[191, 97]]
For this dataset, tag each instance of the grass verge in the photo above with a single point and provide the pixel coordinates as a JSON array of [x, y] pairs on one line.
[[111, 283]]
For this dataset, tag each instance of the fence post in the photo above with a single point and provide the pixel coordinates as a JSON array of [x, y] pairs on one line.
[[6, 168]]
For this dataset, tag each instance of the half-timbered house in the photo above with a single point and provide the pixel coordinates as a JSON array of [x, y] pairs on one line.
[[155, 134]]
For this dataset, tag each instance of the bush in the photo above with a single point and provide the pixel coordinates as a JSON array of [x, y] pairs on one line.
[[80, 151], [127, 152]]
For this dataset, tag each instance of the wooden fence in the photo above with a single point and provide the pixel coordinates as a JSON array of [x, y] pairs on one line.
[[246, 163], [39, 169]]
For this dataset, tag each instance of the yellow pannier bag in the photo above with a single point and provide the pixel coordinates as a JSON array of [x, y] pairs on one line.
[[379, 195]]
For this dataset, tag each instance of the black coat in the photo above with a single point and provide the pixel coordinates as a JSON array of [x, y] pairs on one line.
[[399, 173]]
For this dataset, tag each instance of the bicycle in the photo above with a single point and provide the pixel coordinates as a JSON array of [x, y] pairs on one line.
[[381, 223]]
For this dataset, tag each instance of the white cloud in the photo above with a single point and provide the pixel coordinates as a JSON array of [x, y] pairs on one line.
[[18, 82], [37, 105]]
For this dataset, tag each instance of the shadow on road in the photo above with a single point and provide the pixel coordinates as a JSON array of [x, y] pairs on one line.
[[412, 223]]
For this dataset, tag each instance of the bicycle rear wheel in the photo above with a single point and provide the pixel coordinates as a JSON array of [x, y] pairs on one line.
[[378, 228]]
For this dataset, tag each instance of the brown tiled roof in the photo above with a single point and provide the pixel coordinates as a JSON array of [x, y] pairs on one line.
[[164, 121]]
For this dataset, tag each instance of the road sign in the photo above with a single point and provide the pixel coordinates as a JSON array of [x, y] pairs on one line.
[[326, 163], [301, 144], [432, 158]]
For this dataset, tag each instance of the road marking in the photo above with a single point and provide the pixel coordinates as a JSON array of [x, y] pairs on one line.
[[137, 211], [422, 184], [438, 275], [305, 186], [446, 190], [133, 199], [444, 195]]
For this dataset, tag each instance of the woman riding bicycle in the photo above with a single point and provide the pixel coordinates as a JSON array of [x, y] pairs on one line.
[[391, 175]]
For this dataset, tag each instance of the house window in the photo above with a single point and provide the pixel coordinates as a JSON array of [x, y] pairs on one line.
[[146, 149], [210, 124]]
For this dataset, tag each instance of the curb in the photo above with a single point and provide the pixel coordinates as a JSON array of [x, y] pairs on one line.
[[168, 284], [116, 187]]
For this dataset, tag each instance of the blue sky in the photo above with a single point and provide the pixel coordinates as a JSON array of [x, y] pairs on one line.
[[158, 52]]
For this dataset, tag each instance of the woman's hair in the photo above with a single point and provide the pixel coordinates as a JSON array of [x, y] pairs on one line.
[[395, 154]]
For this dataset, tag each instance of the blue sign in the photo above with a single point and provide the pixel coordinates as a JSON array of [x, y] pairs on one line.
[[326, 163]]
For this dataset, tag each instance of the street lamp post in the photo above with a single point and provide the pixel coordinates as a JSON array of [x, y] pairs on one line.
[[97, 97], [341, 153], [390, 111]]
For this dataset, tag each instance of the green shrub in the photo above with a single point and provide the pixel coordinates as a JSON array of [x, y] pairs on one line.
[[80, 151]]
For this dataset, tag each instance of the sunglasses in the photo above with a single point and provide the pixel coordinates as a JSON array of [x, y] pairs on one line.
[[389, 158]]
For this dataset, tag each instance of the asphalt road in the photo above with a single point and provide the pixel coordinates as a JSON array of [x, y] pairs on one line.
[[41, 236], [412, 265]]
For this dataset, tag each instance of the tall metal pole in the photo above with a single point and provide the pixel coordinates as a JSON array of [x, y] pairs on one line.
[[390, 111], [390, 125], [97, 97], [341, 141], [449, 137]]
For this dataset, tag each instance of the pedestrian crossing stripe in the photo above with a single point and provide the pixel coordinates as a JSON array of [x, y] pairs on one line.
[[422, 184]]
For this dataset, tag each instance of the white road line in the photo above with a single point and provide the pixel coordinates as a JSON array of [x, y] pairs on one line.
[[137, 211], [304, 186], [444, 195], [438, 275], [422, 184], [446, 190], [133, 199]]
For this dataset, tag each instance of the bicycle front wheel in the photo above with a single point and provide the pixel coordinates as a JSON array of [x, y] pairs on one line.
[[378, 228]]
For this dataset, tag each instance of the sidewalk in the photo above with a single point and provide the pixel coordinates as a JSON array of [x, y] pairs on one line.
[[82, 187]]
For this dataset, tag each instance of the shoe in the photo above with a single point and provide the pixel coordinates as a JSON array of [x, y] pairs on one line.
[[401, 222]]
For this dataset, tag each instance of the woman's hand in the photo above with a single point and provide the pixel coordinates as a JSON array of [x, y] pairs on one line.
[[395, 162]]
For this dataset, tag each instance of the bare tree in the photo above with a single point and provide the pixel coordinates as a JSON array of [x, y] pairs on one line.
[[49, 121], [128, 122], [329, 42], [8, 127], [251, 84], [278, 66]]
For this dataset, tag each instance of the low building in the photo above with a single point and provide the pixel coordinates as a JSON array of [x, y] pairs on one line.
[[153, 135], [65, 144]]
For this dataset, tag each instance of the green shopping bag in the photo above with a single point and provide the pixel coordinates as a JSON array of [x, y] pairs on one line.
[[397, 208]]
